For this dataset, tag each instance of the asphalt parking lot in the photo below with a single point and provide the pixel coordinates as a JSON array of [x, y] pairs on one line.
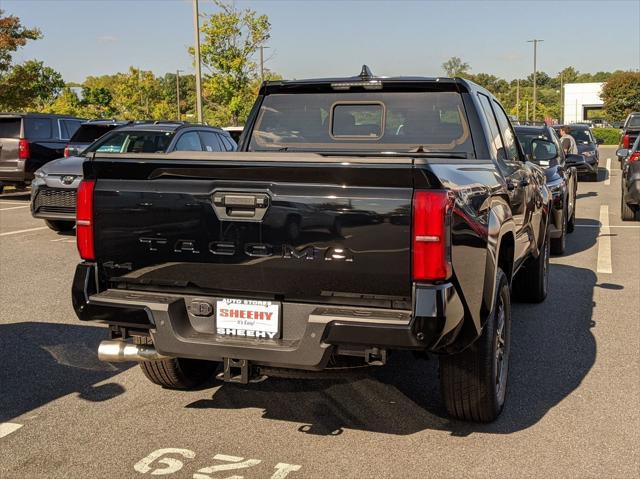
[[572, 407]]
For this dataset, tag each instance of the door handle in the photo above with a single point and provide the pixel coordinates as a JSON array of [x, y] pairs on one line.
[[240, 206]]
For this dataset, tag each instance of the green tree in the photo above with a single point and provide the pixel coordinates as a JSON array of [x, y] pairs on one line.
[[97, 102], [455, 67], [67, 103], [231, 40], [13, 35], [621, 95], [30, 85]]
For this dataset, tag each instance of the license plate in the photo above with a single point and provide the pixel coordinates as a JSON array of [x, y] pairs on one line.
[[248, 318]]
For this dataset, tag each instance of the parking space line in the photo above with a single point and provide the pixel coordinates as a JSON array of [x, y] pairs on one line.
[[2, 202], [8, 233], [7, 428], [604, 242], [607, 181], [14, 208]]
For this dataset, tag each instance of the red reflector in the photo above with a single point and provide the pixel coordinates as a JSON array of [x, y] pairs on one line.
[[67, 153], [23, 149], [84, 220], [635, 156], [431, 220], [625, 141]]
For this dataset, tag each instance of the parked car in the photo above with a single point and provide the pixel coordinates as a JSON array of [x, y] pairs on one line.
[[630, 131], [28, 141], [587, 146], [53, 191], [630, 199], [235, 132], [561, 175], [88, 132], [180, 261]]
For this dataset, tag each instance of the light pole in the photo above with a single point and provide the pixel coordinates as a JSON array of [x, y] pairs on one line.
[[535, 42], [262, 47], [196, 33], [178, 92]]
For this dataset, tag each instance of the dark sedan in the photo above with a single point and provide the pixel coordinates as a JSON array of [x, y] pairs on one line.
[[630, 201], [587, 147], [561, 175]]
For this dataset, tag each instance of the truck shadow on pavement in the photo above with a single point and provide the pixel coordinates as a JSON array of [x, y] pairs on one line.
[[553, 350], [42, 362]]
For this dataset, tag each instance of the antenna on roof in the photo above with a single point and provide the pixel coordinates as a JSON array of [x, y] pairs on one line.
[[365, 73]]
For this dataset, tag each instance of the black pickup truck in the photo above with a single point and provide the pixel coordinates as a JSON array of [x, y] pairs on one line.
[[360, 216]]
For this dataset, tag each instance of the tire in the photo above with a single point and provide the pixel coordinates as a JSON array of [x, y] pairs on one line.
[[1, 188], [558, 245], [60, 226], [531, 282], [627, 213], [473, 383], [593, 177], [176, 373]]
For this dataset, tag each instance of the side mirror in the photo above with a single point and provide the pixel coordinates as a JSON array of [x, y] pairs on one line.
[[543, 150], [575, 160], [599, 141], [622, 153]]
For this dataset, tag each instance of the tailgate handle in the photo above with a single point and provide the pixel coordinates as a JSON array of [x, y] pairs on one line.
[[233, 206]]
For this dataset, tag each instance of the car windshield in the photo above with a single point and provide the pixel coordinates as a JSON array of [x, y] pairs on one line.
[[132, 142], [582, 136], [371, 122], [634, 121]]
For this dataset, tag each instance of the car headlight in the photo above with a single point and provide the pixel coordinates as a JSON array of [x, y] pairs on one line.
[[588, 153], [39, 174]]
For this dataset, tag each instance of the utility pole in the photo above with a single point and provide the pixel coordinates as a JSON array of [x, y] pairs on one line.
[[262, 47], [196, 32], [561, 97], [518, 98], [535, 42], [178, 92]]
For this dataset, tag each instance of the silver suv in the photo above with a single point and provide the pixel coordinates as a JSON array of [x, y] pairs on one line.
[[53, 190]]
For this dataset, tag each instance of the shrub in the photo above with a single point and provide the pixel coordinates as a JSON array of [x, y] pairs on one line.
[[610, 136]]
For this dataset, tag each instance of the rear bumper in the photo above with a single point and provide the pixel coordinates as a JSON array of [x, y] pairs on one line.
[[14, 174], [311, 333]]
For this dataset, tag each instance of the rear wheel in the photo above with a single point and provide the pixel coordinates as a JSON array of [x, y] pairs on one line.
[[531, 282], [593, 177], [474, 382], [60, 226], [627, 213], [176, 373]]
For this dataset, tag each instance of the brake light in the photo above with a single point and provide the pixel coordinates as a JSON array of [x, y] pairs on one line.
[[625, 141], [23, 149], [67, 152], [635, 156], [431, 235], [84, 220]]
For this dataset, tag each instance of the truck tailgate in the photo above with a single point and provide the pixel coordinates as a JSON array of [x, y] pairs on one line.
[[273, 226]]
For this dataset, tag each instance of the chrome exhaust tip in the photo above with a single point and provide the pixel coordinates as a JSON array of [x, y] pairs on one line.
[[117, 351]]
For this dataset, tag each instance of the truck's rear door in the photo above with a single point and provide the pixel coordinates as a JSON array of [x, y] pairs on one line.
[[283, 226]]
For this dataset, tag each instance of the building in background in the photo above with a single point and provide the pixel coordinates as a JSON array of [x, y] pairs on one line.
[[582, 102]]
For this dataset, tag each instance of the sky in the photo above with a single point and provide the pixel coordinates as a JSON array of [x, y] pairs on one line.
[[334, 38]]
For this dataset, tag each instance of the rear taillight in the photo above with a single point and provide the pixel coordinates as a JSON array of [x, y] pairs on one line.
[[67, 152], [625, 141], [431, 235], [84, 220], [23, 149], [635, 156]]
